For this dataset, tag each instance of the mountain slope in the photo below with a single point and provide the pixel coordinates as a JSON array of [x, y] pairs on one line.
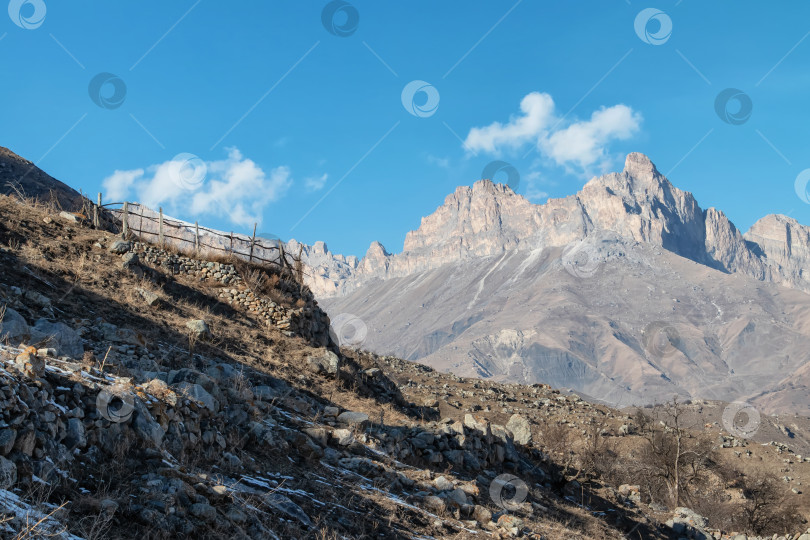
[[21, 177], [627, 291]]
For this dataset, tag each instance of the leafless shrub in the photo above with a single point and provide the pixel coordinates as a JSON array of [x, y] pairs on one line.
[[766, 508]]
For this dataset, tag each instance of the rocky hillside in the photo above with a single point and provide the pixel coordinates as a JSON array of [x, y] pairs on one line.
[[20, 177], [153, 394], [626, 291]]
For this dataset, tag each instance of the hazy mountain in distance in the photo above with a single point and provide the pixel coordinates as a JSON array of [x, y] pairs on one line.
[[627, 291]]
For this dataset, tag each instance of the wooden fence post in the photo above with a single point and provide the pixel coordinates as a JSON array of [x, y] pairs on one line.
[[196, 237], [252, 243], [125, 228], [96, 211], [160, 228], [231, 242]]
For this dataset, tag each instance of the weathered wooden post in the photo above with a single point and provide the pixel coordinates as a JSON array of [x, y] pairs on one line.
[[252, 243], [96, 211], [160, 228], [125, 228], [196, 237]]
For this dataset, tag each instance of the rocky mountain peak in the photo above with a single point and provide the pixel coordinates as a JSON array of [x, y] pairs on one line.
[[638, 204], [377, 250], [640, 166]]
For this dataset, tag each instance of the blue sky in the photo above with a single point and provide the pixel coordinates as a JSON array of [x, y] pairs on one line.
[[276, 118]]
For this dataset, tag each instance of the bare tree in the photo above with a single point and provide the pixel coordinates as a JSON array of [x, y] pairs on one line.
[[674, 460]]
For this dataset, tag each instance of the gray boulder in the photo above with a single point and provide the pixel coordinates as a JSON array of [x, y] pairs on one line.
[[286, 506], [326, 363], [8, 473], [520, 428], [13, 327], [76, 437], [119, 247], [59, 336], [146, 427], [199, 329], [7, 438], [204, 511], [149, 297], [350, 418], [37, 299], [199, 394]]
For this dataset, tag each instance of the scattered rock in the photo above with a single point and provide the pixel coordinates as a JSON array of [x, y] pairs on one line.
[[7, 438], [13, 327], [151, 298], [435, 504], [199, 329], [443, 484], [30, 364], [350, 418], [326, 363], [119, 247], [520, 428], [481, 514], [286, 506], [8, 473], [344, 437], [59, 336], [204, 511]]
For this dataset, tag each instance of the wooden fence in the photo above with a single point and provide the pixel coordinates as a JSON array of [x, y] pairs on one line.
[[148, 225]]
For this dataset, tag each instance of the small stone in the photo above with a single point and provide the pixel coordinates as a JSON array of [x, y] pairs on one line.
[[30, 364], [435, 504], [7, 438], [149, 297], [482, 515], [199, 329], [203, 511], [520, 428], [327, 363], [330, 412], [8, 473], [119, 247], [319, 435], [344, 437], [510, 523], [353, 418], [443, 484]]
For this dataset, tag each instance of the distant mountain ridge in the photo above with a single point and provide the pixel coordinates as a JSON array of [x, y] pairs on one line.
[[637, 204], [627, 291]]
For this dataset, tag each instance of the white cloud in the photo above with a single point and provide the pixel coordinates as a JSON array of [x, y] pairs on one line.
[[234, 188], [442, 163], [585, 143], [316, 183], [117, 185], [538, 114], [581, 143]]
